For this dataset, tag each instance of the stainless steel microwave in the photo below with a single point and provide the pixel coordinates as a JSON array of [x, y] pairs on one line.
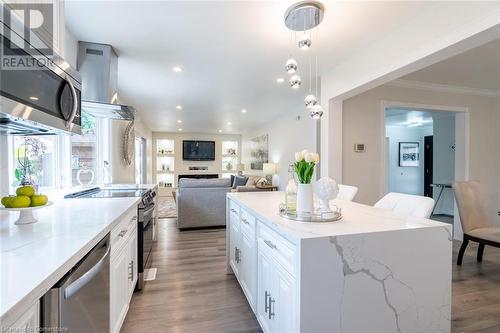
[[39, 92]]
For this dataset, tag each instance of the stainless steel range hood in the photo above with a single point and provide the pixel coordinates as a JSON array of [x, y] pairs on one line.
[[98, 66]]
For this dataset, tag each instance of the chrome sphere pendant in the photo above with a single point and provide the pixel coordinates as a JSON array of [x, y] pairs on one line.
[[295, 82], [316, 111], [291, 66], [310, 101], [304, 43]]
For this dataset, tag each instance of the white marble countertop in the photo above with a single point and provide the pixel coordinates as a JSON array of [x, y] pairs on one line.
[[356, 218], [34, 257]]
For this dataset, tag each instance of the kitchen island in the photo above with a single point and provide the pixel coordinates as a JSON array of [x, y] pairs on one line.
[[372, 271], [34, 257]]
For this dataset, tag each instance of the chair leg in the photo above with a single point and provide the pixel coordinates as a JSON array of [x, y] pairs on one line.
[[462, 250], [480, 251]]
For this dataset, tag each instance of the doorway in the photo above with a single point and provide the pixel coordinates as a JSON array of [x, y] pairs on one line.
[[140, 161], [428, 165], [427, 138]]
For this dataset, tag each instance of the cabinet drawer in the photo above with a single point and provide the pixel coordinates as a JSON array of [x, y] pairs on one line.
[[234, 209], [278, 248], [122, 230], [247, 224]]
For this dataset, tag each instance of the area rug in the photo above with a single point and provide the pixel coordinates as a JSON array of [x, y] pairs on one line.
[[167, 207]]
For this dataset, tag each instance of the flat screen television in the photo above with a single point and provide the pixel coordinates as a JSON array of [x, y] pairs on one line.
[[198, 150]]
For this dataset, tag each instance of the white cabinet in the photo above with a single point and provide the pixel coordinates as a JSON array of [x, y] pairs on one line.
[[123, 268], [276, 296], [243, 251], [29, 321], [119, 289], [248, 273], [264, 265], [132, 262]]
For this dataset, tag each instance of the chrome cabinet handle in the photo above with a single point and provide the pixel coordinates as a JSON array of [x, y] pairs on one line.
[[237, 255], [266, 295], [233, 210], [123, 233], [131, 271], [271, 312], [270, 244], [75, 104], [245, 221]]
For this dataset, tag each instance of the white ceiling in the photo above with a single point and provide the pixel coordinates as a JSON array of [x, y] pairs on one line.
[[477, 68], [231, 54]]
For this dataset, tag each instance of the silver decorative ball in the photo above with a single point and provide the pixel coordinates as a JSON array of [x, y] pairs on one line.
[[295, 82], [304, 43], [291, 66], [310, 101], [316, 111]]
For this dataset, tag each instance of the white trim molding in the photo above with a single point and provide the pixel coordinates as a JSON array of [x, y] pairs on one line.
[[444, 88]]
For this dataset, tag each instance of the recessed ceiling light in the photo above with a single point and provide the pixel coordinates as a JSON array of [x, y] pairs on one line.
[[178, 107], [228, 123], [244, 111], [280, 80], [179, 121], [220, 131], [179, 129], [177, 69], [34, 98]]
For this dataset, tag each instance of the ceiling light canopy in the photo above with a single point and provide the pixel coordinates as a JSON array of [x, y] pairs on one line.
[[178, 107], [280, 80], [243, 110], [179, 121], [177, 69], [228, 123], [304, 15]]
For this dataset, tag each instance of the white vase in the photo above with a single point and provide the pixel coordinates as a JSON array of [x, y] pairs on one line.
[[304, 198]]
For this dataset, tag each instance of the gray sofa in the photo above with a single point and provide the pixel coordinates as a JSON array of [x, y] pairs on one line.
[[202, 202]]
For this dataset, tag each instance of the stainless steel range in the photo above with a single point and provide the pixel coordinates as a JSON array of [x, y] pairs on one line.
[[145, 217]]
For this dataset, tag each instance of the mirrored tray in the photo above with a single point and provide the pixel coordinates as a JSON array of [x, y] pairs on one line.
[[317, 216]]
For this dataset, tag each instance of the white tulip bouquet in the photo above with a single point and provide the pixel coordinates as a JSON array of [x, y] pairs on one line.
[[304, 165]]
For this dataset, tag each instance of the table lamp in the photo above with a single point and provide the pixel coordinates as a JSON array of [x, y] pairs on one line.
[[269, 170], [240, 167]]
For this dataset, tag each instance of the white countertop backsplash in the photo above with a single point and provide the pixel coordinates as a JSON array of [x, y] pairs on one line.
[[34, 257]]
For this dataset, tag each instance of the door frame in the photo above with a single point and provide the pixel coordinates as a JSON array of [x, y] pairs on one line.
[[462, 141]]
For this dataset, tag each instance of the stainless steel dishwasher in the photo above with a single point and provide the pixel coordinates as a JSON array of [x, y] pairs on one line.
[[79, 302]]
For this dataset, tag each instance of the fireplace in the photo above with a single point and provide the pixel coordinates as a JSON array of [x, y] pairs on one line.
[[199, 176]]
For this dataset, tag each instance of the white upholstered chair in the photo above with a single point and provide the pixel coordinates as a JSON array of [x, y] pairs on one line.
[[475, 222], [347, 192], [413, 205]]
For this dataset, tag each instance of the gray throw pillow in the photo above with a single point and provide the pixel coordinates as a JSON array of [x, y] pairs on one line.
[[239, 181]]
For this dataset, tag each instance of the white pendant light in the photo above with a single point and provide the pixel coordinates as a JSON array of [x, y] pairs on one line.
[[291, 66], [316, 111], [304, 43], [295, 81]]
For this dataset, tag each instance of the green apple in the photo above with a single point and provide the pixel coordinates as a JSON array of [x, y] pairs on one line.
[[39, 200], [27, 190], [6, 201], [20, 201]]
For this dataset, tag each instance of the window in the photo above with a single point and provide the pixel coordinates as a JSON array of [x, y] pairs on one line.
[[84, 153], [35, 161], [58, 161]]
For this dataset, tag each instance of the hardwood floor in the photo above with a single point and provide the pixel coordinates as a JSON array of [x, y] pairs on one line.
[[193, 293]]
